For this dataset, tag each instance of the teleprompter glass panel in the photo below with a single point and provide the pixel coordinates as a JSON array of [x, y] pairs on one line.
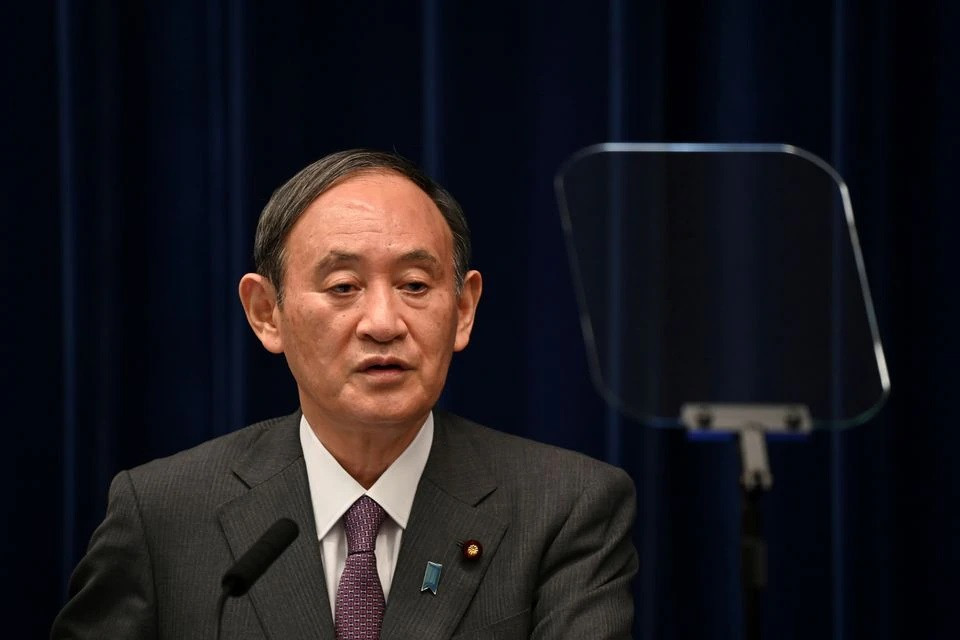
[[719, 274]]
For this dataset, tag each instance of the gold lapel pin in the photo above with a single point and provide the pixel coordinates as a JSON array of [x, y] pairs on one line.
[[471, 549]]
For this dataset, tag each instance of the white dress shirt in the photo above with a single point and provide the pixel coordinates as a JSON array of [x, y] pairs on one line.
[[333, 491]]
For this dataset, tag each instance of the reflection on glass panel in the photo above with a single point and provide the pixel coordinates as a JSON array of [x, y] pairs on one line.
[[720, 273]]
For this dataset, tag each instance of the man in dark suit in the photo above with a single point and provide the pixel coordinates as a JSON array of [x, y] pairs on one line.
[[363, 284]]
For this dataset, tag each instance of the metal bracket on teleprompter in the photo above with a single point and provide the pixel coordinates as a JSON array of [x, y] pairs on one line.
[[751, 422]]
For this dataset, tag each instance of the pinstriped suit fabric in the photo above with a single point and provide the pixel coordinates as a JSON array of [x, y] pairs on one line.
[[555, 528]]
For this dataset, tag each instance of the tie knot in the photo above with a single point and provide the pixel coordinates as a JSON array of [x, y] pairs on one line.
[[362, 521]]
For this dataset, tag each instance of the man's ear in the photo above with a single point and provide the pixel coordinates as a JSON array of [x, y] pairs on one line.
[[467, 308], [259, 299]]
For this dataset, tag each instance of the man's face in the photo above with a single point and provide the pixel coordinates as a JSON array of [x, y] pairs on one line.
[[370, 317]]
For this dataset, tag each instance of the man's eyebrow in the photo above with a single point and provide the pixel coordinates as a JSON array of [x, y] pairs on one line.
[[335, 258], [421, 256]]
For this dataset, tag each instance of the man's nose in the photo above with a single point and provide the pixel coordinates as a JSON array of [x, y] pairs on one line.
[[381, 320]]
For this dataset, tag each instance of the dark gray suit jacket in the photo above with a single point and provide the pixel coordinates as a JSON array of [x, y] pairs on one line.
[[555, 527]]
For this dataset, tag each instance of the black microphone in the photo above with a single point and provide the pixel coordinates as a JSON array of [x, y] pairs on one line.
[[240, 577]]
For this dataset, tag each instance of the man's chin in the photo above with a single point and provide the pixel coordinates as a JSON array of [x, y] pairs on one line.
[[380, 412], [357, 407], [387, 420]]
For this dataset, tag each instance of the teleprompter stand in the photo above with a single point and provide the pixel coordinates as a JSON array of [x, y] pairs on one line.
[[750, 423]]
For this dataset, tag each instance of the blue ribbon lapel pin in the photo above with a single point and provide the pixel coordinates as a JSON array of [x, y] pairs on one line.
[[431, 577]]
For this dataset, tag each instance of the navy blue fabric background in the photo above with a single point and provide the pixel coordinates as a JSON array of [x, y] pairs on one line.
[[140, 143]]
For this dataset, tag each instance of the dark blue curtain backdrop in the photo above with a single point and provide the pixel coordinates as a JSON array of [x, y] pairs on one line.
[[140, 141]]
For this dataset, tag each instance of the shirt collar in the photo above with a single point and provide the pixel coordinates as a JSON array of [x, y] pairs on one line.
[[333, 490]]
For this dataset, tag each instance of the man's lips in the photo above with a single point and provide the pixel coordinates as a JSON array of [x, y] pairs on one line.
[[382, 364]]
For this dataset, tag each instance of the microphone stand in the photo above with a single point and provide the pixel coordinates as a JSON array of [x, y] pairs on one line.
[[220, 606]]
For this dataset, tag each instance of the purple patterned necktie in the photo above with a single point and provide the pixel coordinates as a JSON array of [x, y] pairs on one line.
[[360, 603]]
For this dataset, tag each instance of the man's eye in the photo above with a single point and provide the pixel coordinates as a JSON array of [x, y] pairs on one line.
[[415, 287], [341, 289]]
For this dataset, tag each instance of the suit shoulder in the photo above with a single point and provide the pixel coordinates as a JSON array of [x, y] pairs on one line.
[[211, 456], [516, 456]]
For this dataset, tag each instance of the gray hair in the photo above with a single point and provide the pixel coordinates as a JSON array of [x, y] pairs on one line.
[[288, 203]]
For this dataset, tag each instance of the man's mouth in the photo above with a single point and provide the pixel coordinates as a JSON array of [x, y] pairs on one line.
[[383, 366]]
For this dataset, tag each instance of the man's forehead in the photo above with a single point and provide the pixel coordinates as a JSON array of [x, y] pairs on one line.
[[384, 202], [378, 216]]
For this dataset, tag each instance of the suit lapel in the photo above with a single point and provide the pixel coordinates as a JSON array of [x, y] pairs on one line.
[[291, 597], [444, 514]]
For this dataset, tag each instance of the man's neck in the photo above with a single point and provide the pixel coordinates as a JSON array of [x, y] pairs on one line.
[[364, 451]]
